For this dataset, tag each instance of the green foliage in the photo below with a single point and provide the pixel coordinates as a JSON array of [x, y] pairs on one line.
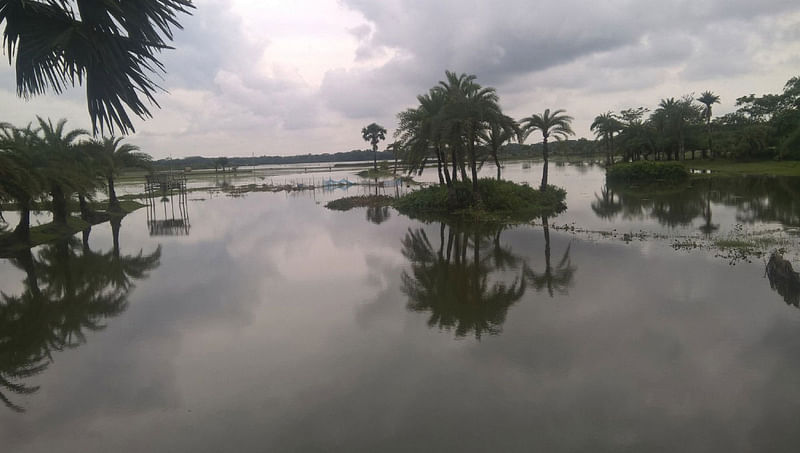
[[361, 201], [498, 200], [111, 45], [647, 171]]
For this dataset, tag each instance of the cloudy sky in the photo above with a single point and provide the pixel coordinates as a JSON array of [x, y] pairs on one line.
[[270, 77]]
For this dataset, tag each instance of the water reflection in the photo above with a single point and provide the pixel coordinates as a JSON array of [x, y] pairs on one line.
[[755, 199], [783, 279], [468, 279], [68, 290]]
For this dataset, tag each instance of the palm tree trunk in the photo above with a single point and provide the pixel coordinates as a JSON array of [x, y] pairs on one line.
[[444, 166], [474, 165], [463, 168], [23, 230], [439, 167], [113, 202], [455, 163], [59, 205], [496, 163], [375, 156], [708, 131], [544, 170]]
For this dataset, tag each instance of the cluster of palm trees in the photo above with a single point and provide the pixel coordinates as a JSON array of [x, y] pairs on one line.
[[460, 124], [48, 161], [663, 135]]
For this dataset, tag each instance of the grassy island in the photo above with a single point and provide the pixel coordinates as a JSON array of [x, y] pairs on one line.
[[502, 201]]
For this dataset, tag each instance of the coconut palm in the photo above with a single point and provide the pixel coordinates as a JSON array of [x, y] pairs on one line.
[[708, 98], [555, 124], [111, 45], [113, 156], [374, 133]]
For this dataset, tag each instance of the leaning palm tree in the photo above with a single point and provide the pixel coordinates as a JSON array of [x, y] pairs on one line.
[[373, 134], [555, 124], [113, 157], [111, 45], [708, 98]]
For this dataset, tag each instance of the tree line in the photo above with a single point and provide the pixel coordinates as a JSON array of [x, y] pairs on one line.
[[50, 163], [762, 127]]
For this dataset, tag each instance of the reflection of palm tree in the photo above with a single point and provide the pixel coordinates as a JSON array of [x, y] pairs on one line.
[[554, 279], [378, 214], [68, 290], [606, 205], [457, 287], [708, 228]]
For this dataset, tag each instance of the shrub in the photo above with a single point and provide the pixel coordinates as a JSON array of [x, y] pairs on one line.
[[647, 171]]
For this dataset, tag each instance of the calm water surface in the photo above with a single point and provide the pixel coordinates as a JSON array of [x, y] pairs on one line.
[[268, 323]]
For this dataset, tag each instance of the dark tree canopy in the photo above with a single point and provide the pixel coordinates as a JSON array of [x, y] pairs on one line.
[[111, 45]]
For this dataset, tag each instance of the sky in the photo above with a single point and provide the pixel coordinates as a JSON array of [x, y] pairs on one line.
[[270, 77]]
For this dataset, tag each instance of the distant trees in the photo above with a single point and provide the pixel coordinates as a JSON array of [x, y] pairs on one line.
[[112, 45], [374, 134], [52, 162], [765, 126]]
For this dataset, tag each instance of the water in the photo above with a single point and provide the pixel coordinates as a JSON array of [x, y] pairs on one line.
[[273, 324]]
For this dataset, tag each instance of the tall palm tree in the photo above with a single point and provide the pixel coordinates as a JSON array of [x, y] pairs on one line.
[[114, 156], [374, 133], [66, 168], [112, 45], [555, 124], [708, 99]]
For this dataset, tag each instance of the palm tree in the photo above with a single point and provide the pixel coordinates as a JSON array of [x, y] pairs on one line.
[[469, 110], [502, 130], [556, 124], [112, 45], [559, 278], [374, 133], [708, 98], [66, 166], [20, 179], [113, 157], [604, 127]]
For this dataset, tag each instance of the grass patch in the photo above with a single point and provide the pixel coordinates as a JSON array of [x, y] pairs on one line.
[[41, 234], [363, 201], [373, 173], [647, 172], [731, 167], [498, 201]]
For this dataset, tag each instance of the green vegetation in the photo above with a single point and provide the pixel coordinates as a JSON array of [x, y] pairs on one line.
[[647, 171], [556, 124], [497, 200], [110, 45], [361, 201], [374, 133], [762, 127], [53, 163], [727, 167]]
